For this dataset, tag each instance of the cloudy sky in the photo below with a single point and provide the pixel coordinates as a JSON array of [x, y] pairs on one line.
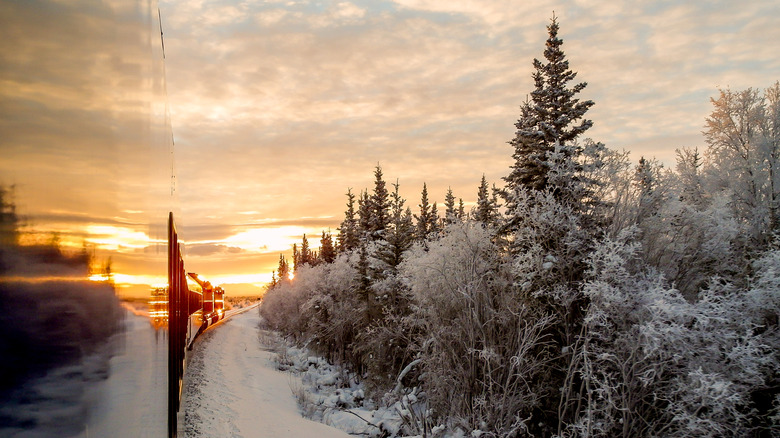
[[278, 107]]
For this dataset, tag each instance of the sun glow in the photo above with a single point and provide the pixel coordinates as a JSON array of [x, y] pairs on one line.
[[253, 279], [267, 239], [117, 238]]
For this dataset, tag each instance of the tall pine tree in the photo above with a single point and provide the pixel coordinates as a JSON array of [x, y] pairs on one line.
[[327, 251], [425, 219], [380, 206], [349, 238], [450, 213], [486, 210], [550, 123], [364, 216]]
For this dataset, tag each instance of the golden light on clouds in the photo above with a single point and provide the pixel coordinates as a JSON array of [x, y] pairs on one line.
[[278, 239], [278, 107], [113, 238]]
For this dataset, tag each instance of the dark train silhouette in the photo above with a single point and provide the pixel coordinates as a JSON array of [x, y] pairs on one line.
[[205, 301]]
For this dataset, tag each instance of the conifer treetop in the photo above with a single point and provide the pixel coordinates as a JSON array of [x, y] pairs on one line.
[[552, 117]]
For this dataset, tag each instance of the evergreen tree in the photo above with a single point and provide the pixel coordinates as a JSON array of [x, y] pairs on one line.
[[305, 257], [646, 179], [364, 216], [546, 200], [688, 171], [461, 210], [327, 251], [425, 218], [486, 211], [284, 270], [296, 258], [550, 122], [400, 234], [348, 237], [450, 213], [379, 206], [435, 224], [364, 291]]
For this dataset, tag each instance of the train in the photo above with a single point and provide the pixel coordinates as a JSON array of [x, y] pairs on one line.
[[206, 304], [212, 300]]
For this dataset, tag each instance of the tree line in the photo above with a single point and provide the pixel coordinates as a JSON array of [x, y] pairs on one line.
[[587, 296]]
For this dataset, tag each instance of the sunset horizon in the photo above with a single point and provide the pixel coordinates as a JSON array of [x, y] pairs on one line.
[[258, 117]]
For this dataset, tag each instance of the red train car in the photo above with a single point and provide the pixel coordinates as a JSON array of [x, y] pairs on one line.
[[213, 309]]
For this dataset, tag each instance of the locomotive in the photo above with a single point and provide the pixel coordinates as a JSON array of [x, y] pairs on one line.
[[206, 305], [212, 300]]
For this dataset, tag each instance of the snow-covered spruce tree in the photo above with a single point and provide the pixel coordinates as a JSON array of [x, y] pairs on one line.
[[398, 238], [327, 250], [552, 222], [450, 212], [425, 218], [383, 344], [364, 217], [550, 123], [688, 173], [647, 178], [379, 206], [349, 236], [486, 211]]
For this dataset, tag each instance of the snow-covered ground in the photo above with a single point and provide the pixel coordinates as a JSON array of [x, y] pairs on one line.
[[232, 388], [132, 402]]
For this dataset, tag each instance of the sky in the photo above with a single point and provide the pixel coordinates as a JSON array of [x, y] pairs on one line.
[[266, 112]]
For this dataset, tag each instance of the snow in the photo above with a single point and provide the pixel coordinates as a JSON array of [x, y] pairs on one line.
[[232, 388], [132, 402]]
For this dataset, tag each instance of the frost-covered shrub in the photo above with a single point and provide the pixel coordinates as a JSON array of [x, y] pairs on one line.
[[690, 244], [284, 305], [484, 354], [654, 364], [335, 314], [321, 308]]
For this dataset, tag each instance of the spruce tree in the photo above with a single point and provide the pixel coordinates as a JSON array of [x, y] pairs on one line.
[[284, 270], [550, 122], [486, 211], [348, 237], [424, 219], [327, 251], [435, 221], [379, 206], [450, 214], [399, 237], [364, 216], [305, 256], [547, 197]]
